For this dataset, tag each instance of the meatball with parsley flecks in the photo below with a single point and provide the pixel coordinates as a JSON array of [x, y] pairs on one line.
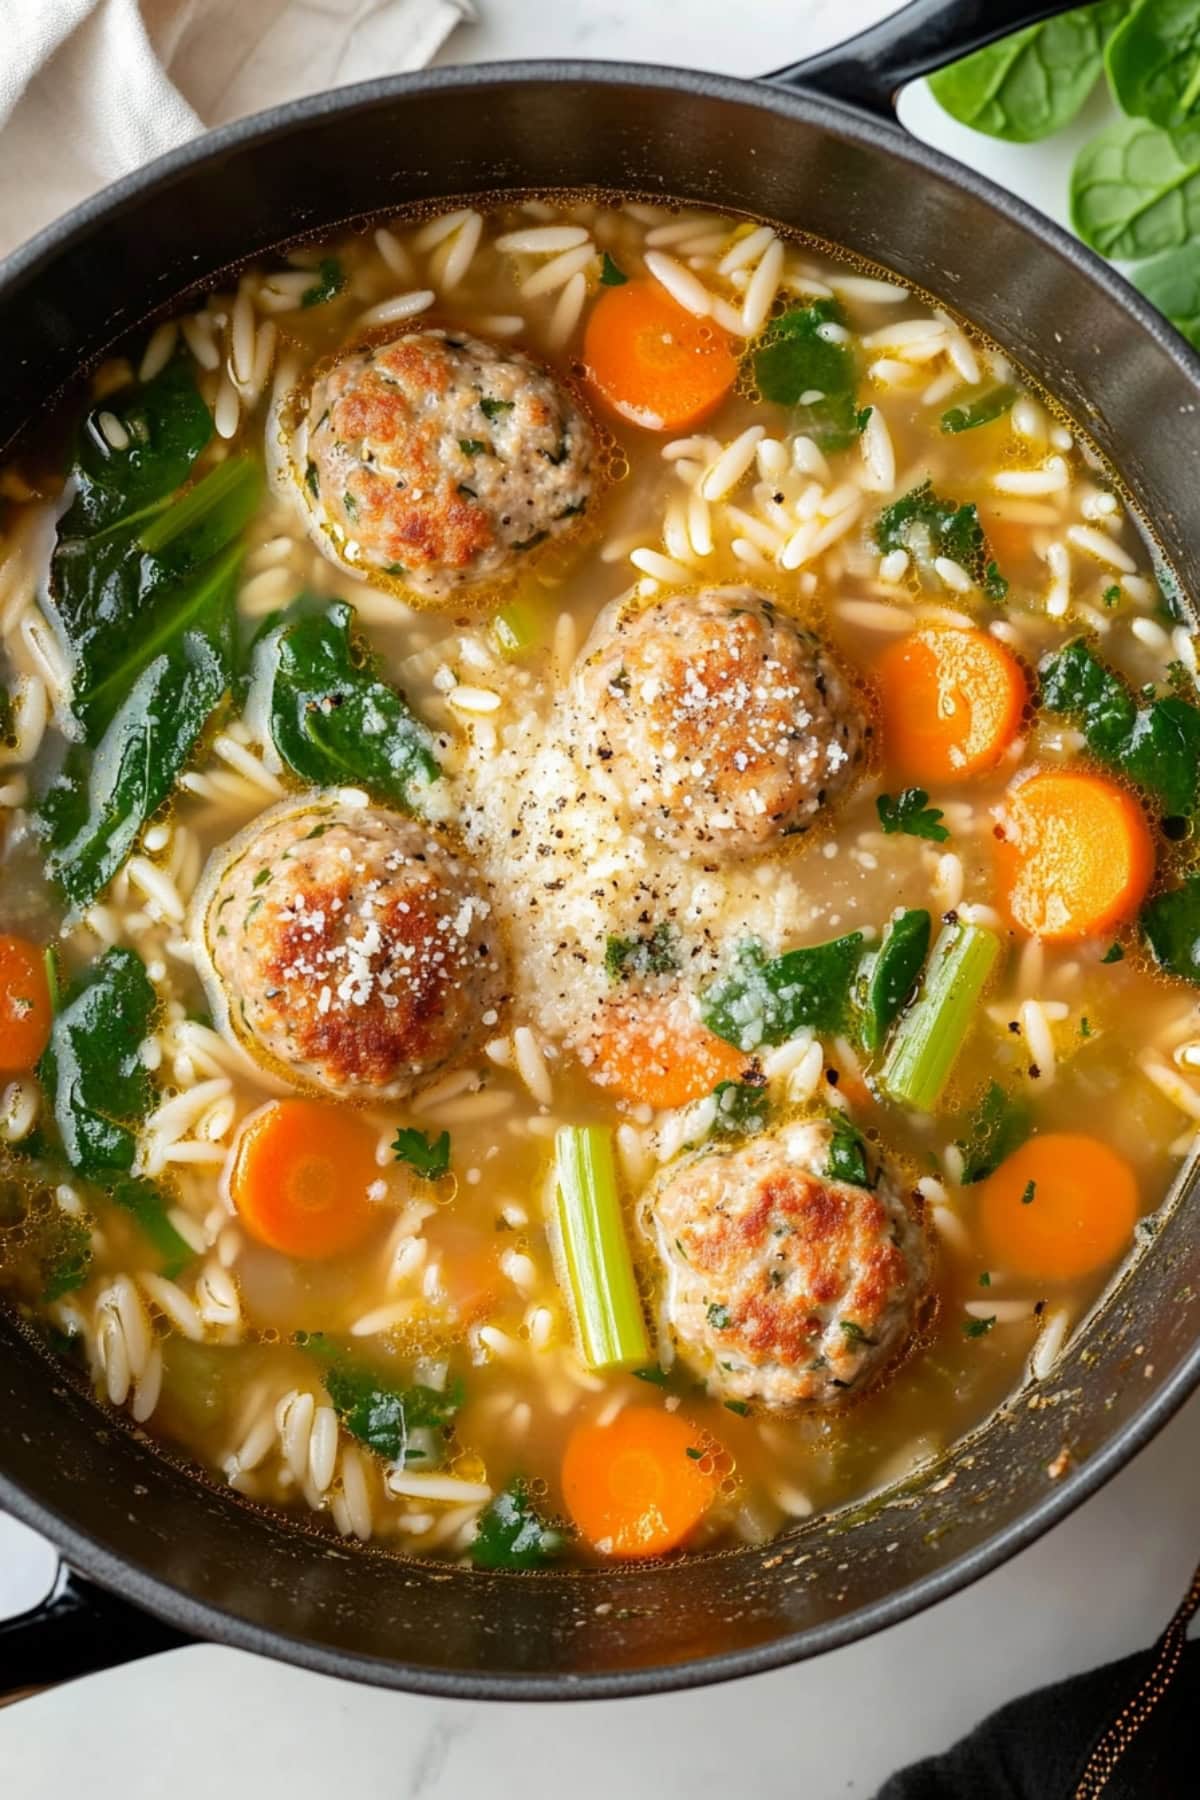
[[726, 725], [348, 948], [438, 459], [787, 1286]]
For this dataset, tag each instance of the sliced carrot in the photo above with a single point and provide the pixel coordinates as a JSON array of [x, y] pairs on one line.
[[652, 362], [301, 1172], [1076, 855], [637, 1486], [26, 1014], [654, 1052], [951, 700], [1061, 1206]]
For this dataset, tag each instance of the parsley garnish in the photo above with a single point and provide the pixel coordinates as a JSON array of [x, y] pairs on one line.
[[742, 1108], [610, 274], [909, 814], [429, 1158], [312, 480], [330, 281], [977, 1328], [656, 954], [924, 524], [1113, 954], [847, 1159], [737, 1406], [472, 446], [491, 409], [855, 1333], [1029, 1193], [718, 1317]]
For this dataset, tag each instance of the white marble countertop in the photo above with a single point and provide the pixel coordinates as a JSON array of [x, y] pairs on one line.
[[207, 1720]]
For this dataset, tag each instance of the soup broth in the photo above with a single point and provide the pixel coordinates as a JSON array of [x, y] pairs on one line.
[[451, 1306]]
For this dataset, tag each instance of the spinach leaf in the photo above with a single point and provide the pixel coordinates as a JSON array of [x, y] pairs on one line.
[[148, 1206], [512, 1533], [332, 719], [428, 1156], [998, 1126], [330, 281], [742, 1108], [765, 1000], [1172, 283], [1171, 927], [382, 1416], [1156, 745], [908, 813], [927, 526], [92, 1068], [1153, 62], [166, 425], [794, 360], [889, 976], [983, 409], [655, 954], [610, 274], [1031, 83], [67, 1260], [1135, 190], [91, 817], [847, 1154]]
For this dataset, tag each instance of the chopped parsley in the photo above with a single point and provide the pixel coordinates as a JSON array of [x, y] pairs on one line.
[[610, 274], [719, 1317], [492, 409], [908, 813], [330, 281], [854, 1332], [1113, 954], [512, 1533], [742, 1108], [427, 1156], [472, 446], [847, 1154], [1029, 1193], [1111, 595], [312, 480], [977, 1328], [739, 1407], [655, 954]]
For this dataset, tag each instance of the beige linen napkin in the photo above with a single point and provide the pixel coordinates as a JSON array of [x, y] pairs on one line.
[[89, 89]]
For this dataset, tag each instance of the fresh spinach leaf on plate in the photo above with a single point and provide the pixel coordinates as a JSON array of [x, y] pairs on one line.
[[802, 363], [92, 1070], [1135, 190], [1031, 83], [332, 719], [1153, 62], [1172, 283]]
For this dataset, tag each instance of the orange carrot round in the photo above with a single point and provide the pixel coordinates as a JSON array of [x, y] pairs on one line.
[[652, 362], [1061, 1206], [654, 1052], [637, 1486], [25, 1011], [951, 700], [301, 1171], [1076, 855]]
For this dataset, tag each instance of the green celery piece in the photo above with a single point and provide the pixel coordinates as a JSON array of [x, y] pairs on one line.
[[1032, 82], [604, 1292], [1153, 62], [764, 1000], [890, 975], [92, 1068], [518, 628], [928, 1039]]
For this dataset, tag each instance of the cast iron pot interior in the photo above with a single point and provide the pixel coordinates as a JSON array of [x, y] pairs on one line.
[[210, 1563]]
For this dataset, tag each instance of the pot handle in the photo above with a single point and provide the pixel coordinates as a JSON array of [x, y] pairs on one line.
[[77, 1629], [869, 70]]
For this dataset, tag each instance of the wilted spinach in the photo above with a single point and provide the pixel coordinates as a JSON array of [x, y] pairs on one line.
[[380, 1414], [888, 976], [927, 526], [512, 1533], [794, 361], [1156, 744], [1171, 927], [766, 1000], [92, 1070], [332, 719]]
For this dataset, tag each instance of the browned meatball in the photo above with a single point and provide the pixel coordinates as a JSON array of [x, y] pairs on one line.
[[786, 1286], [438, 458], [726, 725], [352, 950]]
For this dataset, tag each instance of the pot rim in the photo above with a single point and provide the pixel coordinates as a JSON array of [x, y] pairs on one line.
[[215, 1624]]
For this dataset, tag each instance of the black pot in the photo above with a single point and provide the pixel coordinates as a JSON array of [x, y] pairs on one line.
[[190, 1560]]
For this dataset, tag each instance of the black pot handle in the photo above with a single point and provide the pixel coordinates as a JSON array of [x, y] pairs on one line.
[[77, 1629], [869, 70]]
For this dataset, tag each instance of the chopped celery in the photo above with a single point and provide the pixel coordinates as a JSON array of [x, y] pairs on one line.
[[518, 628], [608, 1308], [930, 1036]]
